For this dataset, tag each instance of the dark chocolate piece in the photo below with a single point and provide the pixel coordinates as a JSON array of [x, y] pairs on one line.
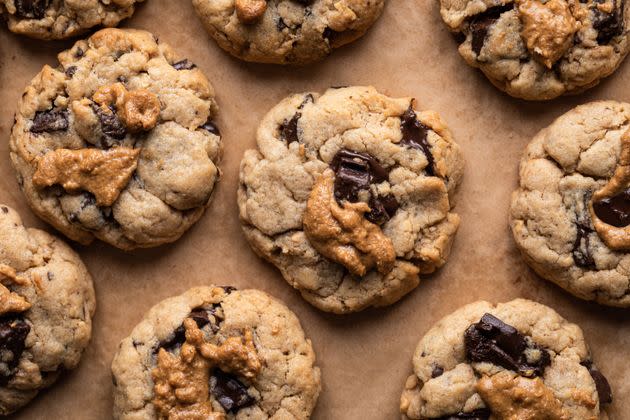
[[289, 128], [491, 340], [614, 211], [581, 247], [608, 25], [382, 208], [414, 135], [480, 24], [437, 371], [13, 333], [479, 414], [185, 64], [199, 315], [111, 126], [70, 71], [211, 127], [31, 9], [601, 383], [230, 392], [49, 121]]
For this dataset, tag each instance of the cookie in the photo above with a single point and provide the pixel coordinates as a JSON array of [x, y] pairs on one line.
[[515, 360], [350, 195], [570, 215], [61, 19], [46, 308], [216, 353], [539, 50], [286, 31], [118, 143]]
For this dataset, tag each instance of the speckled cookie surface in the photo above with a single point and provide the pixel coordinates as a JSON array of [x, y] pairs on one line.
[[513, 360], [46, 308], [350, 195], [539, 50], [60, 19], [117, 143], [286, 31], [287, 382], [571, 213]]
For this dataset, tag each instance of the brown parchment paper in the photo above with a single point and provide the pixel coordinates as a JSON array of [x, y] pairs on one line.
[[366, 357]]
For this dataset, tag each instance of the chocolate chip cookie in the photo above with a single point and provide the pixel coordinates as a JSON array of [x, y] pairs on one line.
[[60, 19], [46, 308], [118, 143], [515, 360], [350, 195], [216, 353], [571, 214], [540, 49], [286, 31]]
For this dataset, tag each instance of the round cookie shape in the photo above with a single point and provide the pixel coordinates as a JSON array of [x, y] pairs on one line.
[[61, 19], [118, 143], [46, 307], [511, 360], [286, 31], [350, 195], [570, 215], [216, 353], [539, 50]]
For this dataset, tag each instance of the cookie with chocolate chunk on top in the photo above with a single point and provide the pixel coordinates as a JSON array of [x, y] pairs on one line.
[[350, 195], [118, 142], [541, 49], [61, 19], [570, 215], [286, 31], [46, 308], [514, 360], [216, 353]]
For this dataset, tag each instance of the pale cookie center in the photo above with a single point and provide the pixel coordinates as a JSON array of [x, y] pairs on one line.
[[139, 109], [11, 302], [513, 397], [343, 234], [548, 28], [182, 383], [610, 206], [104, 173]]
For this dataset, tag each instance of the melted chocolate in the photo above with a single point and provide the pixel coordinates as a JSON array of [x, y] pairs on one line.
[[289, 128], [414, 135], [601, 383], [13, 333], [49, 121], [614, 211], [479, 414], [229, 391], [608, 25], [481, 23]]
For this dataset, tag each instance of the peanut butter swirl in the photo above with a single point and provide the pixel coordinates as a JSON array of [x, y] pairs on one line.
[[138, 109], [104, 173], [11, 302], [181, 382], [343, 234]]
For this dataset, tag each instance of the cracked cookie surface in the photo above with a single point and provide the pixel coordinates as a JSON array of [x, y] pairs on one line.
[[243, 355], [570, 216], [515, 360], [117, 143], [46, 307], [539, 50], [60, 19], [350, 195], [286, 31]]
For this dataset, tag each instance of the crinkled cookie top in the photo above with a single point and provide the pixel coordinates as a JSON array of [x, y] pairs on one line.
[[516, 360], [46, 308], [349, 195], [571, 214], [216, 353], [60, 19], [118, 142], [286, 31], [538, 50]]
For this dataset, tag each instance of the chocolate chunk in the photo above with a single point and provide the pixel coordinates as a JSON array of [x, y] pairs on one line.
[[229, 391], [71, 70], [49, 121], [280, 25], [289, 128], [608, 25], [491, 340], [199, 315], [479, 414], [382, 208], [601, 383], [5, 210], [31, 9], [437, 371], [581, 247], [614, 211], [414, 135], [13, 333], [111, 126], [352, 174], [211, 127], [228, 289], [480, 24], [185, 64]]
